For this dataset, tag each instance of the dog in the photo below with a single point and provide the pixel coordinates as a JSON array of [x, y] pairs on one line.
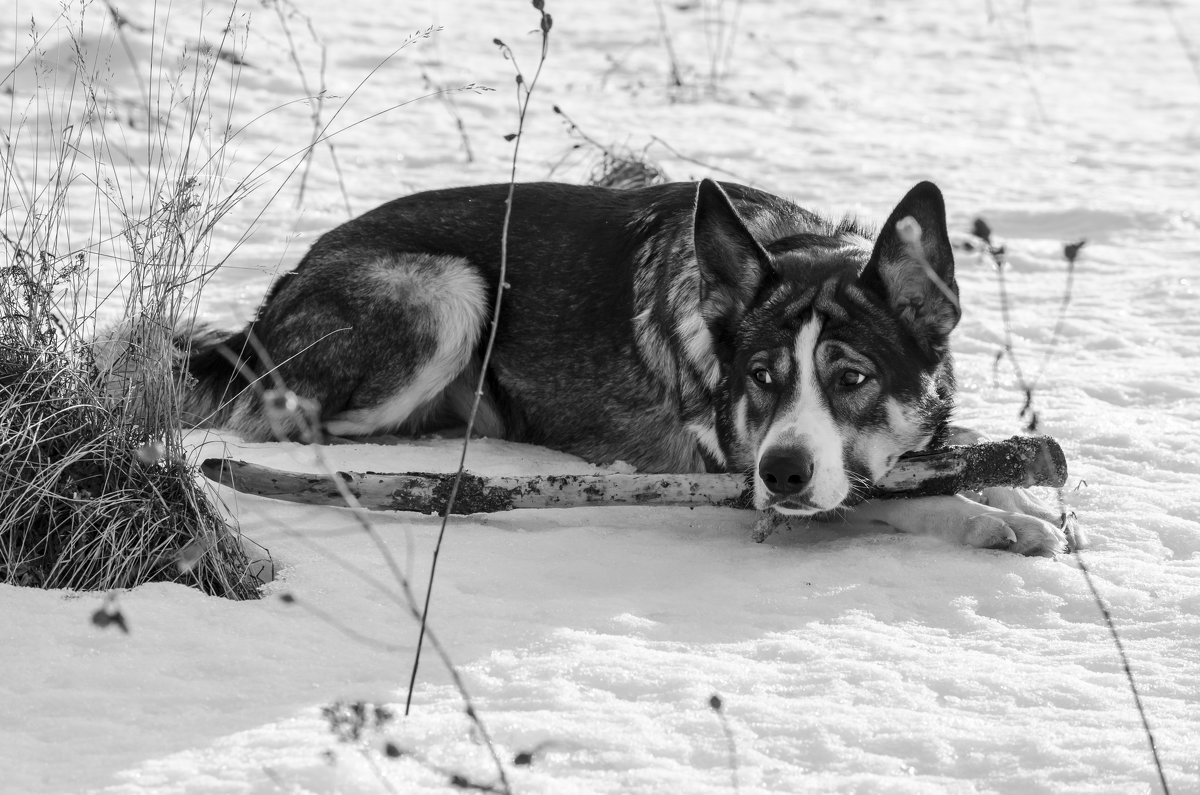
[[683, 327]]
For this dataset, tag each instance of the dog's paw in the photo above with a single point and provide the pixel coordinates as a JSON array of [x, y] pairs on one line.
[[988, 531], [1076, 537], [1024, 501], [1014, 532]]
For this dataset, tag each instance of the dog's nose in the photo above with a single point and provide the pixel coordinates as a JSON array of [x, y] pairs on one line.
[[786, 471]]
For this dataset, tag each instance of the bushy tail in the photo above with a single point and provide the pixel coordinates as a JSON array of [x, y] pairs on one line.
[[217, 370]]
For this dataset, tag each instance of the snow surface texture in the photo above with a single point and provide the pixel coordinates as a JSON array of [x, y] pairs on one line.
[[857, 662]]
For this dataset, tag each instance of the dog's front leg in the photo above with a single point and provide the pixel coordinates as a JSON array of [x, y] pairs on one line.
[[1020, 500], [957, 518]]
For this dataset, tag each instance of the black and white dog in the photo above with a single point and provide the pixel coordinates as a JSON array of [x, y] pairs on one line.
[[680, 328]]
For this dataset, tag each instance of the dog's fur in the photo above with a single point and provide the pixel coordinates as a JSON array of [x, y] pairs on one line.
[[679, 328]]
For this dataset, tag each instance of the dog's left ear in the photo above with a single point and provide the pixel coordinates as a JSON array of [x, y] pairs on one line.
[[912, 266], [732, 263]]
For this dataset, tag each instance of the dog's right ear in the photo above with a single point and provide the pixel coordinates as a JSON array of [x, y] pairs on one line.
[[732, 263]]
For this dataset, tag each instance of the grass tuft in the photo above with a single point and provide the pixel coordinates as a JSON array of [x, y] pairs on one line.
[[94, 481], [626, 170], [90, 502]]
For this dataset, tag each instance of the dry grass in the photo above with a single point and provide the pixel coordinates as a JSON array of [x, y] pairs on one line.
[[96, 489], [91, 502]]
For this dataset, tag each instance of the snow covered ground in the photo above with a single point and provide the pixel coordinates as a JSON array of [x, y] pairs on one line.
[[850, 662]]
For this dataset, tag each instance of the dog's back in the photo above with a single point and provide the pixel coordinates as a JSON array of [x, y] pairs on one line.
[[601, 347]]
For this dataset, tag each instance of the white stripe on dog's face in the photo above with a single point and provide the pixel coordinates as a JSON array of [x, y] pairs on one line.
[[806, 423]]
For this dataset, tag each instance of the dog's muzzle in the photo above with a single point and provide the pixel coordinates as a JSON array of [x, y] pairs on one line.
[[786, 473]]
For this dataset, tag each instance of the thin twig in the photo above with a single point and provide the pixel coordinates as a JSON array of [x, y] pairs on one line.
[[1184, 43], [731, 38], [676, 78], [718, 706], [1019, 56], [332, 621], [1070, 253], [363, 519], [1137, 698], [701, 163], [451, 107], [316, 99], [524, 93]]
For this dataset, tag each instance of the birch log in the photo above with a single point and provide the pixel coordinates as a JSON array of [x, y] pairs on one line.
[[1019, 461]]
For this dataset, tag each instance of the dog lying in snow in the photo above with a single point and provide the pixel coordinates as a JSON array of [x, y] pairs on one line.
[[682, 327]]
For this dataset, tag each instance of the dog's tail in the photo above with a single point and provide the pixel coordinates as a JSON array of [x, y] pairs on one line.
[[215, 373], [218, 373]]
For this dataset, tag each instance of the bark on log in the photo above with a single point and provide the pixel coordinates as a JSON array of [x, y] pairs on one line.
[[1019, 461]]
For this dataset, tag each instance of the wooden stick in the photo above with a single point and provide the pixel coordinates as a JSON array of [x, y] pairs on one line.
[[1019, 461]]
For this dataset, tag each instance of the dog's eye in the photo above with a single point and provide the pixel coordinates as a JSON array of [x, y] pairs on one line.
[[762, 375], [851, 378]]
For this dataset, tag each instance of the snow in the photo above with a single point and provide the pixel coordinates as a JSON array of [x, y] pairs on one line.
[[847, 660]]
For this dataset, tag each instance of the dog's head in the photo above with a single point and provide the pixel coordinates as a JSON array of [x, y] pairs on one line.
[[834, 354]]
